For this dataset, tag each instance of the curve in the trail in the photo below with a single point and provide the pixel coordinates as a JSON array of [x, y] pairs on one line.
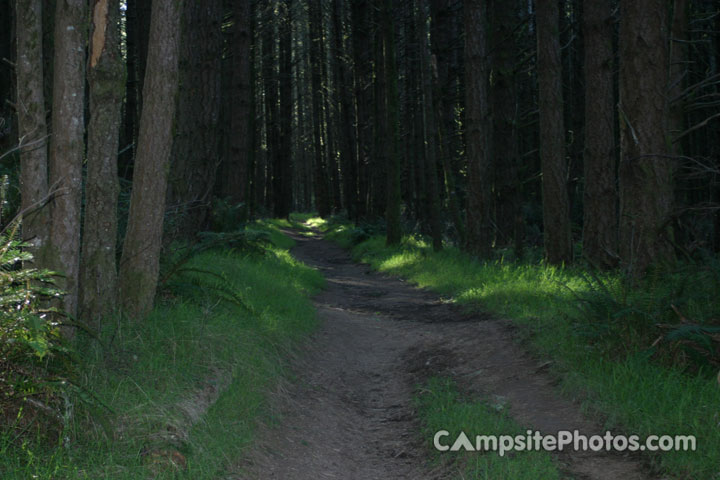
[[349, 415]]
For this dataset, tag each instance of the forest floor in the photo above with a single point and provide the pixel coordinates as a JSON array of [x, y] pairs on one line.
[[350, 413]]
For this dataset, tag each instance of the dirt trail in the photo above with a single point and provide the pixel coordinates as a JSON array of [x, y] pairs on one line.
[[349, 416]]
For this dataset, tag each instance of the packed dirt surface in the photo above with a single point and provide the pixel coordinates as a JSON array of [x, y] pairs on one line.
[[349, 416]]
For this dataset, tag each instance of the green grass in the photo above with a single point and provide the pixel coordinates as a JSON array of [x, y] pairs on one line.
[[441, 407], [226, 322], [615, 377]]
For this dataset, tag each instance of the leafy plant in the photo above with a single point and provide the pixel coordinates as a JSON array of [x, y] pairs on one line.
[[34, 358]]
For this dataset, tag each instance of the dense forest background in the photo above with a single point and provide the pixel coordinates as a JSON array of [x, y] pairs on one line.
[[555, 163], [586, 127]]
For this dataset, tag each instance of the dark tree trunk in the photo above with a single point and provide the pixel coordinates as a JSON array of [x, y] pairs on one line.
[[478, 239], [503, 100], [444, 40], [431, 143], [67, 145], [32, 128], [361, 50], [272, 112], [284, 163], [678, 68], [556, 204], [391, 137], [98, 273], [378, 159], [646, 185], [415, 194], [140, 263], [236, 181], [343, 90], [330, 130], [600, 197], [322, 197], [196, 149]]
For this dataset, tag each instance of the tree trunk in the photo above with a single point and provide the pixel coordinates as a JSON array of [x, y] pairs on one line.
[[196, 147], [330, 123], [67, 146], [32, 129], [556, 204], [378, 158], [237, 172], [431, 144], [322, 198], [678, 68], [646, 185], [140, 263], [391, 137], [600, 197], [478, 239], [443, 40], [361, 50], [284, 170], [98, 274], [272, 113], [503, 99], [343, 91]]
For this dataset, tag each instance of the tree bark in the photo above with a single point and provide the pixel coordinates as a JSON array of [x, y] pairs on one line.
[[391, 137], [67, 146], [678, 68], [504, 103], [430, 131], [378, 159], [284, 161], [32, 128], [322, 197], [600, 227], [361, 50], [444, 41], [330, 126], [646, 185], [106, 78], [140, 263], [478, 239], [556, 204], [196, 147], [343, 90], [271, 104], [237, 172]]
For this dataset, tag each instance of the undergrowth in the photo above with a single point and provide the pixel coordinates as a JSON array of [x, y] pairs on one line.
[[37, 375], [179, 393], [643, 358]]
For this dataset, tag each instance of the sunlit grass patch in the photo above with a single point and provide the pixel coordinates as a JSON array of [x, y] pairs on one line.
[[442, 407], [316, 222]]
